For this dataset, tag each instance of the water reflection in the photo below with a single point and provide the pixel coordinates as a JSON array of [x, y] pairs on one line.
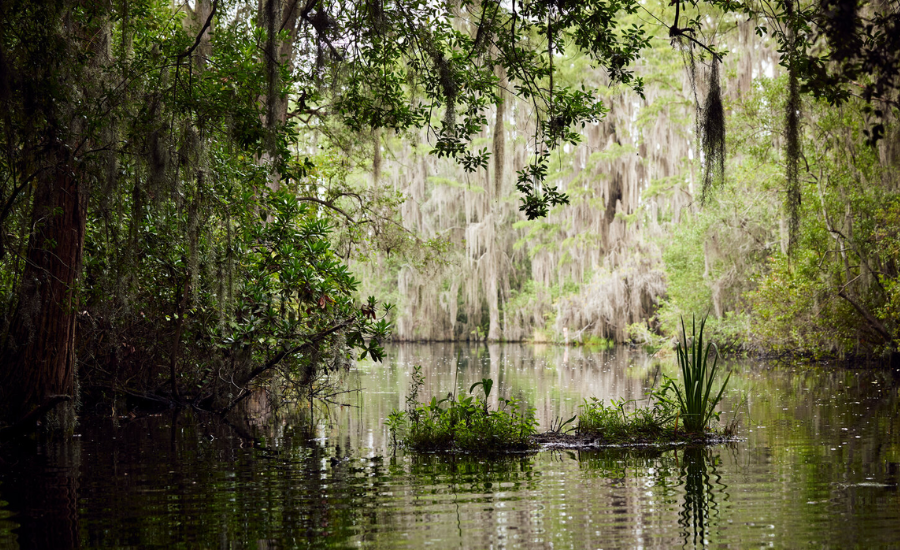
[[700, 511], [553, 379], [818, 468], [40, 487]]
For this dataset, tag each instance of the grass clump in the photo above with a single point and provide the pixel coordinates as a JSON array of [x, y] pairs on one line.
[[690, 402], [613, 424], [463, 422], [695, 400], [679, 411]]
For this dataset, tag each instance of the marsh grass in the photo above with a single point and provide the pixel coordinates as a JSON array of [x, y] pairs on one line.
[[615, 424], [677, 411], [463, 422], [695, 398]]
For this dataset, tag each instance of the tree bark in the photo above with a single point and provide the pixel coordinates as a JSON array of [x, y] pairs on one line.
[[492, 289], [38, 355], [277, 16]]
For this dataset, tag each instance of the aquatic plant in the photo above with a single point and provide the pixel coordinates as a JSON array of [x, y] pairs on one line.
[[614, 424], [692, 403], [695, 399], [463, 422], [558, 426]]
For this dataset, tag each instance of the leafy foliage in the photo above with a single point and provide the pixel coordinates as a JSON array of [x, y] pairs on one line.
[[453, 68], [205, 213], [827, 297], [463, 422], [613, 424]]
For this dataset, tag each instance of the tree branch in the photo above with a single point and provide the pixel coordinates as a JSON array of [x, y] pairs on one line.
[[279, 357], [873, 321], [203, 30], [675, 32], [327, 204]]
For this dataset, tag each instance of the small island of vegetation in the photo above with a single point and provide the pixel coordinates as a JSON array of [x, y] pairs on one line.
[[680, 411]]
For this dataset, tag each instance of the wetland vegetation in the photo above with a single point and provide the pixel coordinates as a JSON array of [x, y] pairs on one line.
[[816, 465], [197, 200], [465, 422], [226, 210]]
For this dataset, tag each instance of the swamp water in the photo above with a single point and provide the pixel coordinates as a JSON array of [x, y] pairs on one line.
[[818, 465]]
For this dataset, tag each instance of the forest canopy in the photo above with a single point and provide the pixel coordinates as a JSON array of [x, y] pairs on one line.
[[180, 199]]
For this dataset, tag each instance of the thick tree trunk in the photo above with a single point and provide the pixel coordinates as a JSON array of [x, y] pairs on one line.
[[38, 357]]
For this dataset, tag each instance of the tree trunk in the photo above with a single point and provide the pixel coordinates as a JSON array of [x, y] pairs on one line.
[[38, 355], [494, 195], [276, 16]]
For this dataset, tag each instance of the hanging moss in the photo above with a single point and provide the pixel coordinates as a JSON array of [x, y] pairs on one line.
[[712, 134], [595, 266]]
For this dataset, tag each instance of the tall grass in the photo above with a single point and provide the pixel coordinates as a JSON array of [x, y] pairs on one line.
[[696, 400]]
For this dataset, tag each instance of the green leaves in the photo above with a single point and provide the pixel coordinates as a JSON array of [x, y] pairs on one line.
[[614, 425], [465, 423], [695, 397], [486, 385], [413, 64]]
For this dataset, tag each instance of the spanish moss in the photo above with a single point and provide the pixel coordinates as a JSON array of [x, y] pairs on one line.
[[712, 134]]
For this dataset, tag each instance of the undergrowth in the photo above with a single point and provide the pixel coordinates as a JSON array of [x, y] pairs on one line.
[[690, 401], [613, 424], [462, 422]]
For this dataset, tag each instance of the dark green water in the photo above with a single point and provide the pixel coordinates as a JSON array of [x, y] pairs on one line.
[[818, 467]]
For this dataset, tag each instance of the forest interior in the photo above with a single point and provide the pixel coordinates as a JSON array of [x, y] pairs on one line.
[[197, 199]]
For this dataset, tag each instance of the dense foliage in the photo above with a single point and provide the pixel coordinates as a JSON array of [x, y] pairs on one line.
[[789, 251], [180, 190], [171, 174], [831, 293]]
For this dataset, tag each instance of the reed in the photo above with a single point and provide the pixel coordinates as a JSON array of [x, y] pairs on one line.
[[696, 399]]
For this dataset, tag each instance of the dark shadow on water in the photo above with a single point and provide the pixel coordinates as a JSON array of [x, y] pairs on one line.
[[39, 482], [469, 474]]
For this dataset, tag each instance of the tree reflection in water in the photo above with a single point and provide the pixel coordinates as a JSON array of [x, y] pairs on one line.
[[39, 484]]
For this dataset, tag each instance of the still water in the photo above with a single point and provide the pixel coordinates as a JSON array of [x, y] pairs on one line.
[[817, 466]]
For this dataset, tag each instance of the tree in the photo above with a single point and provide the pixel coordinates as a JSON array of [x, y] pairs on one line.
[[157, 155], [52, 58], [137, 141]]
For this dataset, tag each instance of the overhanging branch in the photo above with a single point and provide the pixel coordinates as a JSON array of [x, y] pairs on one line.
[[203, 30]]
